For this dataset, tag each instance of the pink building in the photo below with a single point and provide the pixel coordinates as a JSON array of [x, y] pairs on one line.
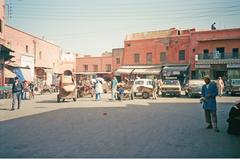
[[41, 56], [89, 65], [2, 21], [5, 55], [117, 59]]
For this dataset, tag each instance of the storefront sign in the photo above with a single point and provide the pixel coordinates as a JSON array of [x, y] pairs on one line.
[[233, 65], [202, 66], [219, 61]]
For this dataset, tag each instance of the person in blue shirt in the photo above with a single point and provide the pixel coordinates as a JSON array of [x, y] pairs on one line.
[[209, 93], [17, 89], [114, 83], [121, 92]]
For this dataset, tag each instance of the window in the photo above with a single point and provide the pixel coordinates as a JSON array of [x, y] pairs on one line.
[[181, 55], [221, 51], [85, 68], [108, 68], [26, 48], [40, 55], [162, 56], [149, 58], [95, 68], [139, 82], [235, 52], [1, 26], [136, 58], [205, 54], [118, 60]]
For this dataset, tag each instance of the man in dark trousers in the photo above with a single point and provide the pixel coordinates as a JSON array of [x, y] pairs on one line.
[[17, 89], [234, 119], [209, 93]]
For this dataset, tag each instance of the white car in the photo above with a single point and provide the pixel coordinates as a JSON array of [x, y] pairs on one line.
[[141, 82], [171, 87]]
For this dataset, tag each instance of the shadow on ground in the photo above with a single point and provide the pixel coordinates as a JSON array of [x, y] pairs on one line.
[[158, 130]]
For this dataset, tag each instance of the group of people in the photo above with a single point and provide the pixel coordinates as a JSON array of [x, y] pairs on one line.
[[20, 91], [117, 90], [209, 92]]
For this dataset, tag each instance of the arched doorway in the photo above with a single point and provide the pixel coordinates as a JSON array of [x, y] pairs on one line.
[[67, 73]]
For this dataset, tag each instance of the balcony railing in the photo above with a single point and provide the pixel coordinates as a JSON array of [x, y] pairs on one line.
[[212, 56]]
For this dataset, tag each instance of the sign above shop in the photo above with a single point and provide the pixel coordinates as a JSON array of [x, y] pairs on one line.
[[233, 65]]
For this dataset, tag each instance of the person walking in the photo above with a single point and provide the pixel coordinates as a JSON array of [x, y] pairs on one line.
[[25, 90], [17, 89], [155, 87], [98, 90], [220, 85], [114, 83], [208, 99], [31, 93]]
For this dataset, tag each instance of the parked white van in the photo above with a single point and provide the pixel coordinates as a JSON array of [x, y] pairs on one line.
[[141, 82]]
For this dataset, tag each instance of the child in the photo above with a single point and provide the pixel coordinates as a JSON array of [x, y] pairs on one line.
[[120, 92], [234, 119]]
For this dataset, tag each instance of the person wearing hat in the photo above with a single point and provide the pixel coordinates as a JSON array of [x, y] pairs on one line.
[[234, 119], [208, 100], [17, 89]]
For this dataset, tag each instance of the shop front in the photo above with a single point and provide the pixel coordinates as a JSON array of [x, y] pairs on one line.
[[181, 72], [138, 71]]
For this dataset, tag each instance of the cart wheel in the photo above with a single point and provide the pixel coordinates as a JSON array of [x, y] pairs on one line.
[[63, 100], [145, 95], [74, 99], [58, 98]]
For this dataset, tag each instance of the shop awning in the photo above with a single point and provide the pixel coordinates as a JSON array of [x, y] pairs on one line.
[[5, 53], [202, 66], [8, 73], [152, 71], [124, 71], [175, 68], [233, 65], [23, 74]]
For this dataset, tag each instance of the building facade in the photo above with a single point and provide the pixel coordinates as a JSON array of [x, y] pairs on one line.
[[5, 52], [39, 55], [89, 65], [117, 58], [185, 53], [216, 53]]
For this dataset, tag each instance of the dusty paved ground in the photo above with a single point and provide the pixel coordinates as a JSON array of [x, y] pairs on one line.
[[167, 127]]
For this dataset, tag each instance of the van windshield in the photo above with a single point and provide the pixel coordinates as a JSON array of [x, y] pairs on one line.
[[236, 82], [139, 82]]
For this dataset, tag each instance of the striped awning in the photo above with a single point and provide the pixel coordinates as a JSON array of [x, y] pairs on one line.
[[8, 73]]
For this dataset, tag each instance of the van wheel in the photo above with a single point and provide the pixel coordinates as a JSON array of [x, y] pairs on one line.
[[145, 95]]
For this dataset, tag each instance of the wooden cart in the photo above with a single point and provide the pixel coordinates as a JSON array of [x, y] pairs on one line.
[[67, 88], [127, 90]]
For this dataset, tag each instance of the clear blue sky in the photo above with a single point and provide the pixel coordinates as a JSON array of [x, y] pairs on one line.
[[95, 26]]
